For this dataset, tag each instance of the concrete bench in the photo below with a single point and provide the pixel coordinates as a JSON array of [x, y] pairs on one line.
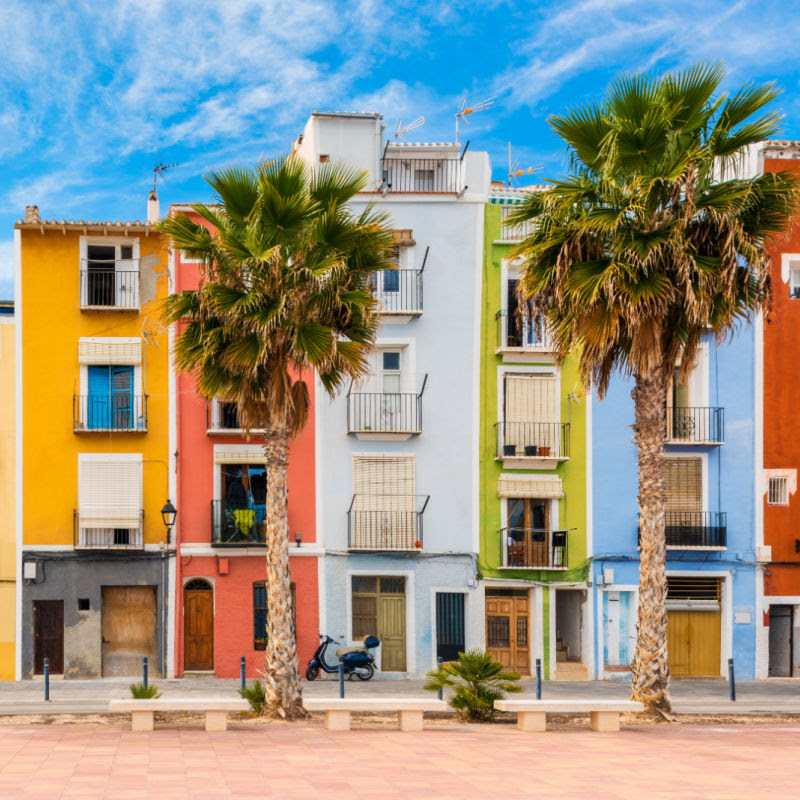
[[603, 714], [216, 710], [337, 709]]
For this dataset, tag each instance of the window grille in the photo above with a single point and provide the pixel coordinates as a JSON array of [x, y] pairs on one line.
[[693, 588], [778, 490]]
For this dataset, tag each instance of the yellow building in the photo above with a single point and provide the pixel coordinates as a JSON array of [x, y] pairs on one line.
[[7, 487], [93, 457]]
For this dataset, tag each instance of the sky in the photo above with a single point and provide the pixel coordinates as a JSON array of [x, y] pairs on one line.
[[94, 95]]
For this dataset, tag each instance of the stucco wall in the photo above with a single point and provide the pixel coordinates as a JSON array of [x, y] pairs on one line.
[[7, 499]]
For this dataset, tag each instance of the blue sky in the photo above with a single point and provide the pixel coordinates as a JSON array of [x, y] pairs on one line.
[[92, 95]]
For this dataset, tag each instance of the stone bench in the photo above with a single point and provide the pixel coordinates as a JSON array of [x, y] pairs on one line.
[[216, 710], [603, 714], [337, 709]]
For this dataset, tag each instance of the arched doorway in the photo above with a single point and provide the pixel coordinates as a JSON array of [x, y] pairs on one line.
[[198, 626]]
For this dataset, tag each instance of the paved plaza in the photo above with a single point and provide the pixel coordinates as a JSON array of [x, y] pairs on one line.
[[303, 760]]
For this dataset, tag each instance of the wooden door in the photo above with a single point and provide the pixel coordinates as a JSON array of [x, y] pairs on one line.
[[48, 635], [198, 627], [507, 622], [129, 630], [392, 624], [693, 643]]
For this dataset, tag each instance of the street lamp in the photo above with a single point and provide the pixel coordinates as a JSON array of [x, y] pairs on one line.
[[168, 514]]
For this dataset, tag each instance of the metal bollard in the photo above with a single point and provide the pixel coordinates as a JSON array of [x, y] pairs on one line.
[[144, 672], [731, 680], [439, 659], [538, 678], [242, 678], [47, 679], [341, 679]]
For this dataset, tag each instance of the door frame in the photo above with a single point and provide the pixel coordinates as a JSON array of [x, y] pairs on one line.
[[536, 622], [468, 619], [185, 580], [411, 660]]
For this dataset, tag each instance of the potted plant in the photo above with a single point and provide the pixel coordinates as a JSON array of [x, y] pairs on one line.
[[544, 451], [531, 450], [509, 449]]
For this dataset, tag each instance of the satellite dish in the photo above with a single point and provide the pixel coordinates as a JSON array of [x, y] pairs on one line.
[[400, 130], [465, 110]]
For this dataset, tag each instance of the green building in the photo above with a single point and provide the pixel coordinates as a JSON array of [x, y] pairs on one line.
[[533, 561]]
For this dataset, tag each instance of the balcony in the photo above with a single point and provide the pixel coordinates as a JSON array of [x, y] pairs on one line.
[[94, 530], [119, 412], [237, 524], [695, 425], [697, 530], [398, 293], [109, 285], [514, 232], [532, 445], [534, 548], [424, 175], [522, 337], [383, 523], [384, 416]]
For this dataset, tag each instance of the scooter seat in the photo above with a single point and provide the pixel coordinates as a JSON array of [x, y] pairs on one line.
[[343, 651]]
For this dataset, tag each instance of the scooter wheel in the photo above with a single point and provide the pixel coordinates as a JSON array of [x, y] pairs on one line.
[[365, 673], [311, 673]]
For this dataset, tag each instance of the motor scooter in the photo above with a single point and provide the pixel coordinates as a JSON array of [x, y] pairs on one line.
[[358, 660]]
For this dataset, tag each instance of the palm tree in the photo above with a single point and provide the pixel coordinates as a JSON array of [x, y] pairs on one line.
[[655, 238], [283, 294]]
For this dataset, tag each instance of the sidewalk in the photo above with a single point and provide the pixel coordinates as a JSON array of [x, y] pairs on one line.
[[699, 696]]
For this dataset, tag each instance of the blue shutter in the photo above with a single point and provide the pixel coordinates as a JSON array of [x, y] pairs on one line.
[[122, 397], [99, 399]]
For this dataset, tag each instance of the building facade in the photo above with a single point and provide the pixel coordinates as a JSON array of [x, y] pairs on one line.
[[8, 549], [396, 455], [221, 593], [533, 479], [92, 455]]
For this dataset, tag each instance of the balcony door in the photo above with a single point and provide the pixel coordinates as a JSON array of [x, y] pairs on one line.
[[110, 400], [530, 425], [112, 276], [528, 532]]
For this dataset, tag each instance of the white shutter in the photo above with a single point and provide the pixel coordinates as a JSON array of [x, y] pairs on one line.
[[103, 351], [253, 455], [109, 491], [531, 411], [529, 486]]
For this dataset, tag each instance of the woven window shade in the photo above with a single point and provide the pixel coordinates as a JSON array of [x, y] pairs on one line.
[[519, 486], [109, 493], [530, 399], [404, 237], [239, 457], [383, 483], [90, 351], [683, 484]]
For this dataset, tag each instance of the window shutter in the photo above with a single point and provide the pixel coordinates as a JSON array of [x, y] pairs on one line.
[[529, 486], [530, 399], [109, 492], [254, 456], [683, 484], [125, 351], [384, 488]]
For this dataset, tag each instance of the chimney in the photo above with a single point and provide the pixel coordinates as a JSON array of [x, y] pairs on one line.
[[152, 207], [31, 213]]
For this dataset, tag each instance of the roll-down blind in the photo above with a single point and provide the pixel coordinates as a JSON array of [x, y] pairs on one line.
[[683, 484], [125, 351], [109, 492], [255, 456], [383, 483], [519, 486]]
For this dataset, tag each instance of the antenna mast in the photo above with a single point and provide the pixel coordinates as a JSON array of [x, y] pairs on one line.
[[464, 111], [160, 169]]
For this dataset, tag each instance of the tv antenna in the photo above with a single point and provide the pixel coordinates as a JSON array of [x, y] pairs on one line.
[[399, 130], [464, 110], [160, 169], [515, 171]]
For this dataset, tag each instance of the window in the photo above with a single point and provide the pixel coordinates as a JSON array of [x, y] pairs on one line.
[[242, 506], [83, 604], [260, 611], [794, 281], [524, 329], [390, 371], [778, 490], [683, 484], [530, 426], [110, 403], [109, 275]]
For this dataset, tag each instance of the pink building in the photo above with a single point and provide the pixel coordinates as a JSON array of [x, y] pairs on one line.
[[221, 602]]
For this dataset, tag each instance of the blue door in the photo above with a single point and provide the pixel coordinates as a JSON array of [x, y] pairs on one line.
[[110, 401]]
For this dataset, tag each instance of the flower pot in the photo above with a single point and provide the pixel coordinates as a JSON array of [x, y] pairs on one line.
[[544, 451], [531, 450], [509, 449]]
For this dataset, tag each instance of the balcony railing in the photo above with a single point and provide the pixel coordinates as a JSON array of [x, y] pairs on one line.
[[534, 548], [397, 291], [532, 440], [696, 528], [119, 411], [115, 286], [92, 532], [401, 174], [517, 232], [521, 330], [695, 425], [237, 524], [385, 522], [385, 412]]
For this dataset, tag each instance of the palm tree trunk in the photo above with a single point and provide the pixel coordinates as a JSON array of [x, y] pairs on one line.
[[650, 669], [282, 678]]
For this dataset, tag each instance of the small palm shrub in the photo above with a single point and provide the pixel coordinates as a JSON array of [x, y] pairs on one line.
[[141, 692], [256, 696], [476, 682]]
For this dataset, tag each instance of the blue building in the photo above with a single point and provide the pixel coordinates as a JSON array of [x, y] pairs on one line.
[[710, 482]]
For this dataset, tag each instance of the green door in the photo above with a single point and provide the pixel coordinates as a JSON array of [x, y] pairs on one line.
[[379, 609]]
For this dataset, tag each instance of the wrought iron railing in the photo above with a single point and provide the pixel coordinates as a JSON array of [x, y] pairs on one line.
[[695, 424], [104, 287], [119, 411], [385, 412], [534, 548], [400, 174], [237, 524], [696, 528], [521, 330], [397, 291], [88, 537], [385, 522], [532, 439]]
